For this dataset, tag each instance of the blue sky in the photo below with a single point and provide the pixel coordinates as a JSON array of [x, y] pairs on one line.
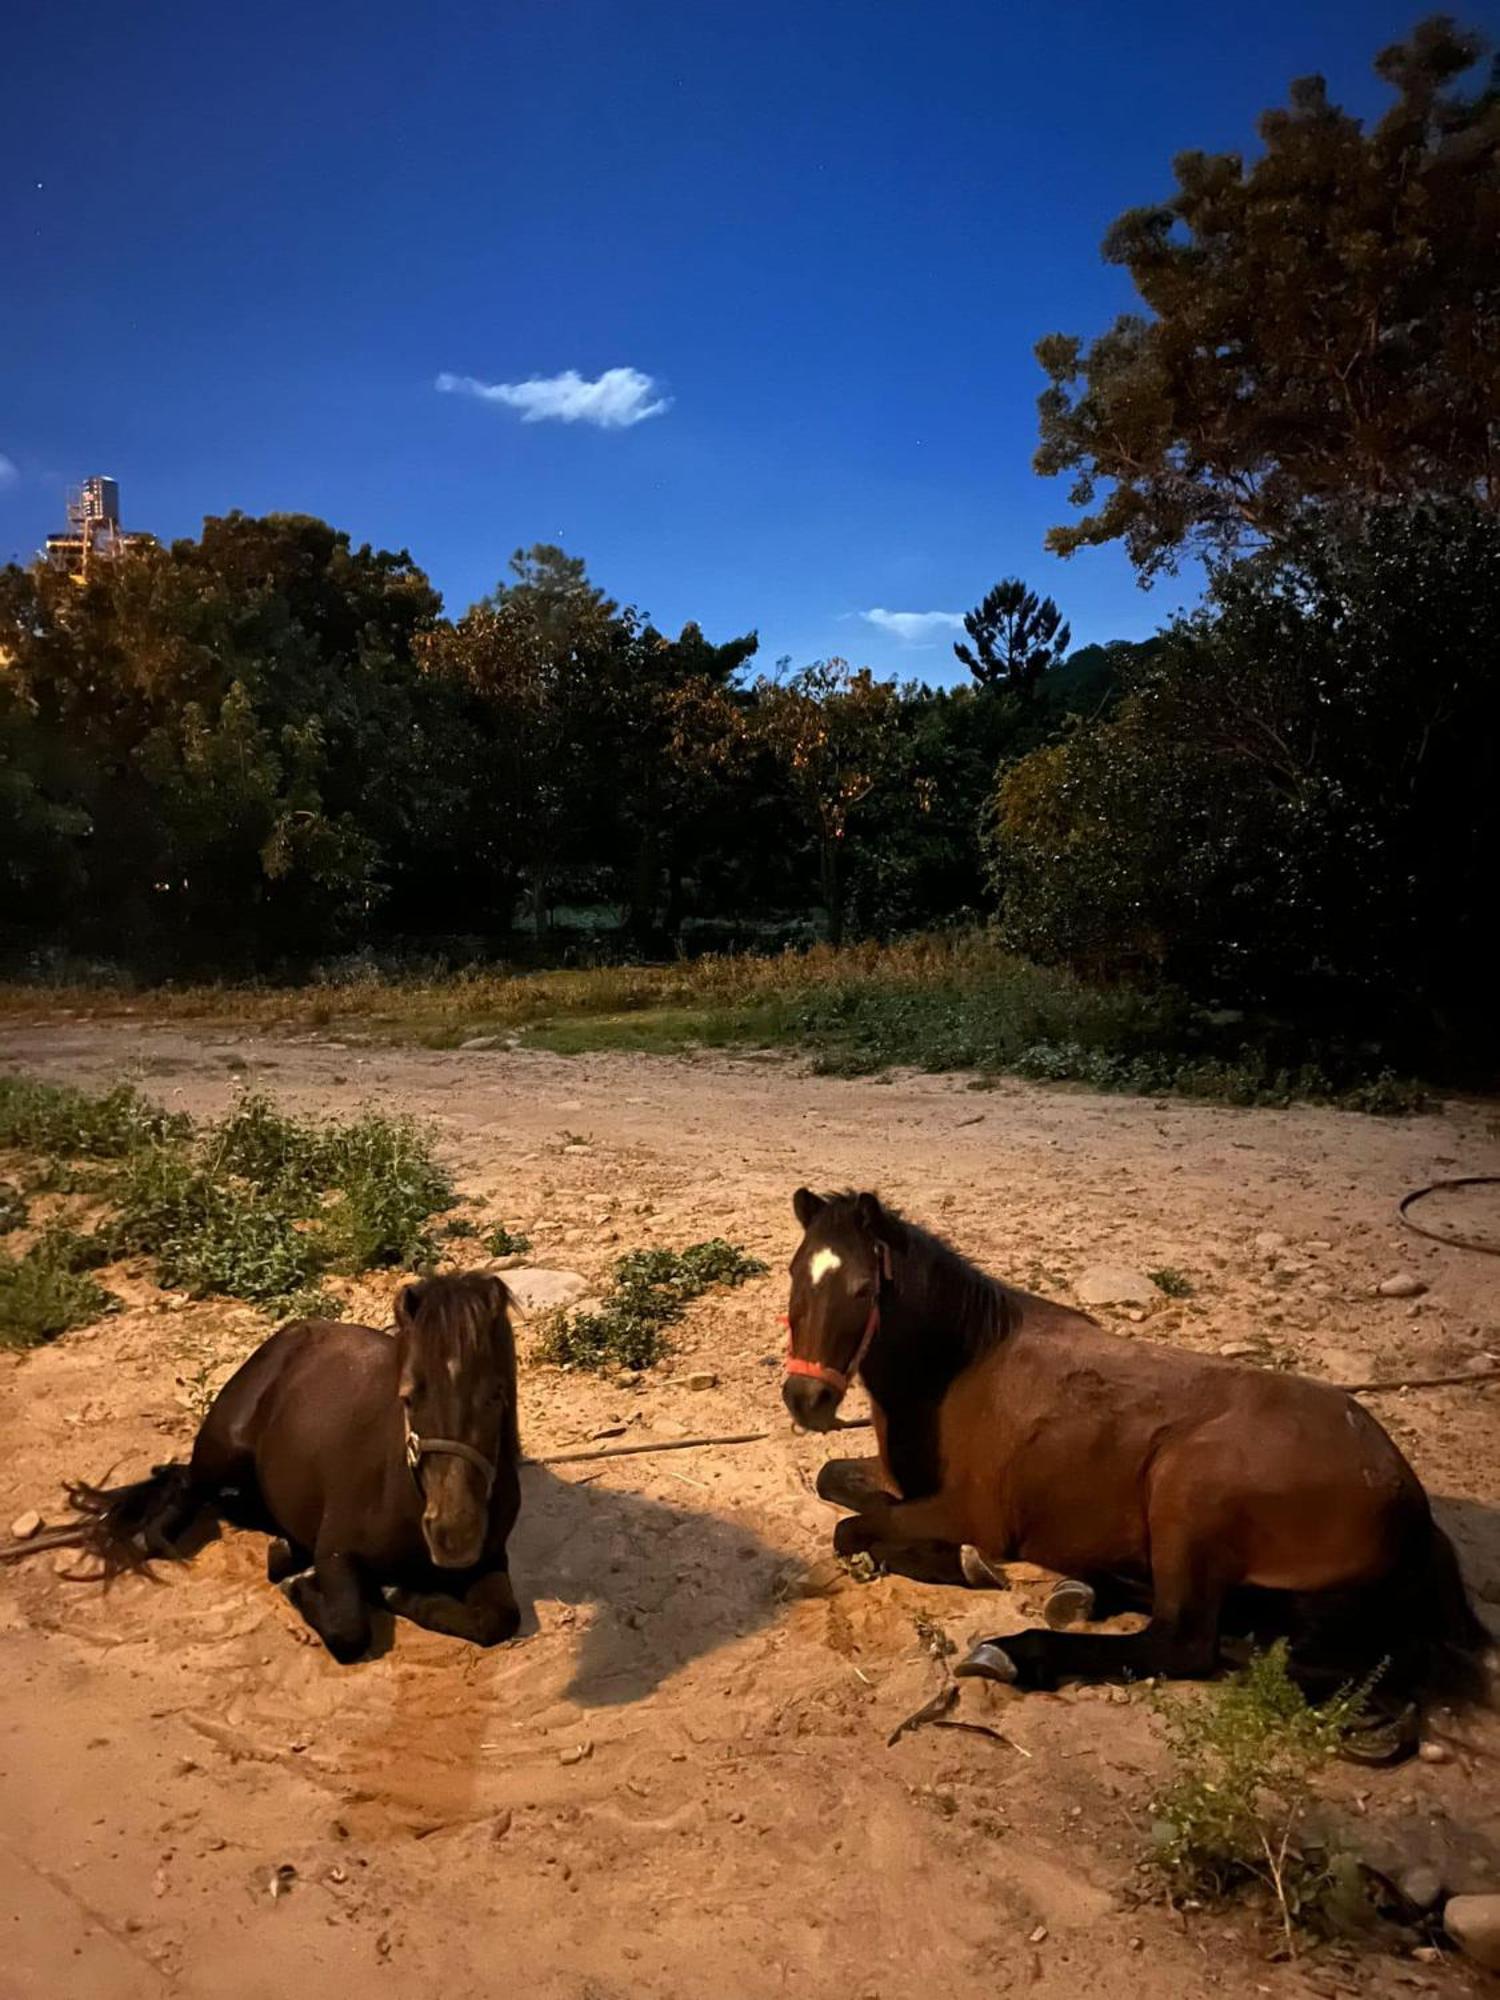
[[240, 248]]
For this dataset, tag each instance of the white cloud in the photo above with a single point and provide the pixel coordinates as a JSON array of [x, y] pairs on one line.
[[914, 628], [10, 472], [621, 397]]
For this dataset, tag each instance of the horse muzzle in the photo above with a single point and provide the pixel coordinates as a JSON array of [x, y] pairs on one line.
[[812, 1402]]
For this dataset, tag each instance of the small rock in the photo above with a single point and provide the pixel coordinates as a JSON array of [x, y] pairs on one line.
[[24, 1526], [1270, 1243], [536, 1291], [1241, 1350], [1473, 1923], [1317, 1243], [1422, 1886], [1114, 1285], [480, 1042], [1402, 1286], [501, 1824], [576, 1753], [66, 1561], [1427, 1954], [1039, 1935], [628, 1378], [1435, 1753], [281, 1880], [701, 1378]]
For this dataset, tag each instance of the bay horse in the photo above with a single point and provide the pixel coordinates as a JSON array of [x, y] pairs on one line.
[[1024, 1429], [387, 1469]]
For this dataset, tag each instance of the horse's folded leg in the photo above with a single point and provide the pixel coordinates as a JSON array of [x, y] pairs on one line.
[[332, 1600], [486, 1614]]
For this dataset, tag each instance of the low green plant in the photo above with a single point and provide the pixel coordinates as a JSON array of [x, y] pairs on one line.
[[503, 1242], [1237, 1810], [461, 1227], [649, 1290], [1174, 1283], [264, 1204], [55, 1118], [48, 1290]]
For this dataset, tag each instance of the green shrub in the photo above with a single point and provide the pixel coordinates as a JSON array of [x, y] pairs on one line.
[[1174, 1283], [37, 1117], [649, 1290], [48, 1290], [1237, 1809], [503, 1242]]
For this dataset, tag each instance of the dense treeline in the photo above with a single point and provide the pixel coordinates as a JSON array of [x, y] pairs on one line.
[[265, 748]]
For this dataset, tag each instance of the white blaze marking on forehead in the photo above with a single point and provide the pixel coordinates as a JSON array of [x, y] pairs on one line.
[[823, 1262]]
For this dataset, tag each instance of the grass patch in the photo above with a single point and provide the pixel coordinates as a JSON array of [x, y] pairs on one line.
[[48, 1290], [1174, 1283], [1237, 1814], [649, 1290], [948, 1001]]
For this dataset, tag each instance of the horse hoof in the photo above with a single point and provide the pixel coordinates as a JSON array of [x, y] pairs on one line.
[[1070, 1603], [987, 1662], [979, 1572], [1389, 1740]]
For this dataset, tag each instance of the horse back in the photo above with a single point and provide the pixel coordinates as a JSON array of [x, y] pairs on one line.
[[313, 1416]]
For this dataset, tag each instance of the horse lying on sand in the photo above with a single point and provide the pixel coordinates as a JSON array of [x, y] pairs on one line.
[[1024, 1429], [386, 1468]]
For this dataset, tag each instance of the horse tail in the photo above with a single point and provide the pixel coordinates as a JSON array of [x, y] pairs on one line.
[[126, 1527]]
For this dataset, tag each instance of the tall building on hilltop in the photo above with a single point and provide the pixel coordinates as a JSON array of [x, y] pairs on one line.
[[93, 533]]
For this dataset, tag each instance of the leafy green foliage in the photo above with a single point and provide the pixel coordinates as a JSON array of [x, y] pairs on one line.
[[48, 1291], [56, 1118], [649, 1290], [1321, 324], [265, 1203], [1237, 1809], [1174, 1284], [503, 1242], [1296, 806]]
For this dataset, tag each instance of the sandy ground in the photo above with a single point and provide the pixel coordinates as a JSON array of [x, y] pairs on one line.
[[735, 1824]]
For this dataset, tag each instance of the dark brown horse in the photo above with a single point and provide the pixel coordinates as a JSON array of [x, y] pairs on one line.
[[1026, 1430], [387, 1468]]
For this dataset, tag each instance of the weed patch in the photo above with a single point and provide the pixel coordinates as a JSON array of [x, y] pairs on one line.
[[649, 1290], [503, 1242], [48, 1290], [54, 1118], [1237, 1814], [1173, 1283], [12, 1208]]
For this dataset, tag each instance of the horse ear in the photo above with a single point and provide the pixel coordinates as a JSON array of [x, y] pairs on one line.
[[806, 1205], [500, 1296], [408, 1300], [875, 1217]]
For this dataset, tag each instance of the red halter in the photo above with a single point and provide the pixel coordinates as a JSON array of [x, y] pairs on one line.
[[817, 1369]]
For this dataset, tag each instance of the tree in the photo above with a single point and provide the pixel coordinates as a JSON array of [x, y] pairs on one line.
[[1297, 802], [1016, 637], [832, 730], [1320, 327]]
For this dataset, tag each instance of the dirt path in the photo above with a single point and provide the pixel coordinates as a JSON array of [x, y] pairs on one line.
[[735, 1825]]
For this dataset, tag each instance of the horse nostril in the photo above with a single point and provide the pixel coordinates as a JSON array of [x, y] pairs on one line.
[[811, 1404]]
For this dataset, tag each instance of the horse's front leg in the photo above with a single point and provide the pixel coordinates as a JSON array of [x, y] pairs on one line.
[[483, 1610], [899, 1523], [332, 1600]]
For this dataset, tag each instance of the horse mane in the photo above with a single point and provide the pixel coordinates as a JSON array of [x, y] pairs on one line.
[[468, 1314], [937, 1284]]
